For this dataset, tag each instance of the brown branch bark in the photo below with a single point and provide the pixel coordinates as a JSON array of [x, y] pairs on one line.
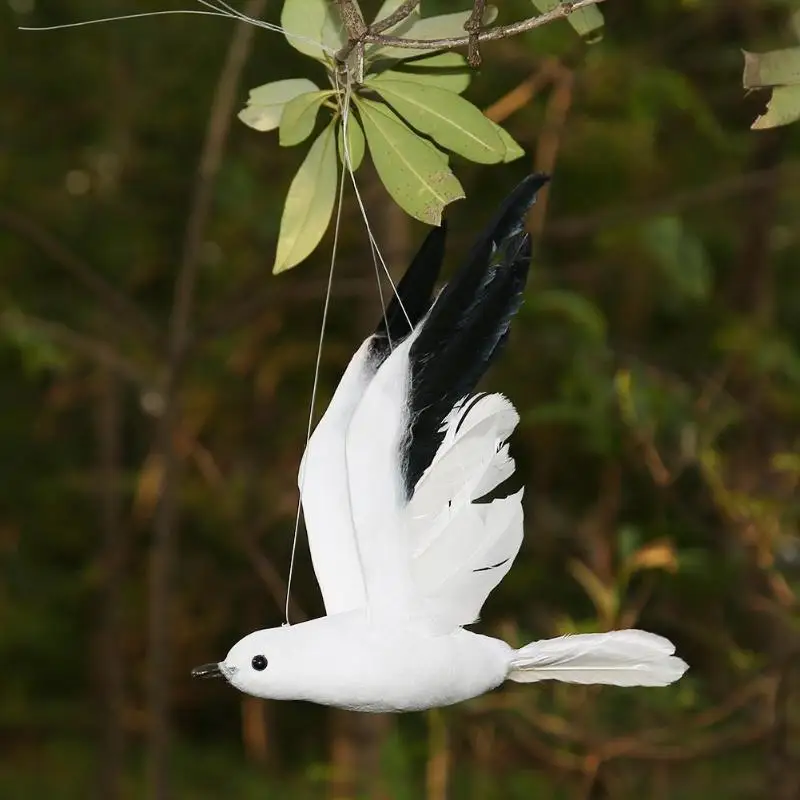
[[473, 26], [492, 34], [404, 10], [164, 545]]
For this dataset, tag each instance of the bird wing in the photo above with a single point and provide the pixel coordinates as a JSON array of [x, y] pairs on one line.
[[464, 540], [324, 486], [421, 453]]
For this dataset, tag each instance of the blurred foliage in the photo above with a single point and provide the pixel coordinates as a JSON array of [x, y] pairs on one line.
[[655, 364]]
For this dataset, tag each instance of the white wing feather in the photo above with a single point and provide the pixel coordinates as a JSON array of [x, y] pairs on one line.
[[462, 549], [373, 445], [326, 495]]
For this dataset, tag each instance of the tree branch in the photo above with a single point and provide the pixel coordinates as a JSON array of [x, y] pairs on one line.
[[110, 297], [163, 552], [95, 350], [492, 34], [356, 28], [404, 10], [352, 19], [473, 25]]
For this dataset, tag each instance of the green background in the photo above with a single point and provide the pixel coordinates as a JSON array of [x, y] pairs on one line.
[[655, 365]]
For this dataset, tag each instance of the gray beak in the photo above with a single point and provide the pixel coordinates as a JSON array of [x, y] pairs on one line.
[[208, 671]]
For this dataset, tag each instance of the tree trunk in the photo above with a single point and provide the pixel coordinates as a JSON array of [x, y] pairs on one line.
[[164, 547], [356, 747], [113, 556]]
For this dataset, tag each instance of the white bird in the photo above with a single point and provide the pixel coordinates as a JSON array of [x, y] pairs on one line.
[[406, 540]]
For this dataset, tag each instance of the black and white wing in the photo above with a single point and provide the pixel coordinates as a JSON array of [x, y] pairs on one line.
[[421, 452]]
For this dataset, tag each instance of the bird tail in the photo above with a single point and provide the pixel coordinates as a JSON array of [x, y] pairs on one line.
[[618, 658]]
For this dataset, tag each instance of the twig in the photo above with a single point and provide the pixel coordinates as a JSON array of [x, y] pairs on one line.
[[352, 19], [404, 10], [521, 94], [587, 224], [270, 576], [473, 26], [111, 298], [255, 298], [492, 34], [356, 28], [549, 142], [163, 552], [94, 349]]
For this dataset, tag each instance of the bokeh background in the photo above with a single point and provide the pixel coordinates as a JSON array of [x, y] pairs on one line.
[[655, 364]]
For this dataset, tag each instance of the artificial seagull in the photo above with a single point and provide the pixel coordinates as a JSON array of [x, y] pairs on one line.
[[407, 529]]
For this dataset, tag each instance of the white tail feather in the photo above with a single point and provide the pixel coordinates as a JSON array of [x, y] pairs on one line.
[[618, 658]]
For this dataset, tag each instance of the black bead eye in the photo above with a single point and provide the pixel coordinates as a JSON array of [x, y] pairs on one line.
[[259, 663]]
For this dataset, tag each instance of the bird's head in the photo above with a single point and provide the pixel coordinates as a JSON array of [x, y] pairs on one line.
[[260, 664]]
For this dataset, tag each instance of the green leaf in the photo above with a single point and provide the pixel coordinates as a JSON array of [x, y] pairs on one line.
[[355, 142], [453, 122], [443, 26], [265, 103], [782, 108], [512, 150], [310, 26], [309, 203], [776, 68], [680, 255], [38, 351], [413, 171], [446, 70], [588, 22], [299, 117]]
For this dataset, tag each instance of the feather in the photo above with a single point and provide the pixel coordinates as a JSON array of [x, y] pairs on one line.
[[618, 658], [456, 592], [323, 478], [413, 296], [465, 328], [470, 456], [462, 550]]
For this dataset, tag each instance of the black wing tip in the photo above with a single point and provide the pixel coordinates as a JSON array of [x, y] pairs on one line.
[[413, 295], [511, 217]]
